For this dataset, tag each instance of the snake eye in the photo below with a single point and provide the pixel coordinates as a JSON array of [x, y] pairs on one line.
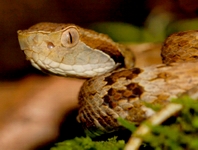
[[70, 37]]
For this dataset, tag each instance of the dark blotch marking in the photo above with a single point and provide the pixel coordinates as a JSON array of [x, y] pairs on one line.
[[109, 101], [112, 98], [136, 70], [181, 33], [195, 57], [127, 73], [183, 43], [136, 89]]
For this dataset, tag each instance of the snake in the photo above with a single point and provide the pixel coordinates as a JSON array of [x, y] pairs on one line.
[[114, 87]]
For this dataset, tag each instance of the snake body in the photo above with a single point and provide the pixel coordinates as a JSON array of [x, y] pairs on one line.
[[69, 50]]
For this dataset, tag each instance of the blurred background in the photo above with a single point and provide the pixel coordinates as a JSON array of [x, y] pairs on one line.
[[124, 20]]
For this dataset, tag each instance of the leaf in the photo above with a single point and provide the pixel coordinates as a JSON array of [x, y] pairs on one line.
[[128, 125]]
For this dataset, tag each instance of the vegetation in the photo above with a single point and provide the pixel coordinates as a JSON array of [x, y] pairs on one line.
[[156, 28], [177, 133], [86, 143]]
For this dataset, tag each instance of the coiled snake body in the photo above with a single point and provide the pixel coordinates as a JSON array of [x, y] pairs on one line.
[[69, 50]]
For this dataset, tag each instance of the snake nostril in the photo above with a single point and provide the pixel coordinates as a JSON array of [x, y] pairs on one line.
[[50, 45]]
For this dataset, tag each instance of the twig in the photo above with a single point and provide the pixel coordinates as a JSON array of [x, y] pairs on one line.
[[135, 139]]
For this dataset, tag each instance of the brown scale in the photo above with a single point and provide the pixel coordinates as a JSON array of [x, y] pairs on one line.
[[136, 115], [180, 47], [104, 45]]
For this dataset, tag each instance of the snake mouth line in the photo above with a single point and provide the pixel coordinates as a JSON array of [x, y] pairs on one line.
[[84, 71]]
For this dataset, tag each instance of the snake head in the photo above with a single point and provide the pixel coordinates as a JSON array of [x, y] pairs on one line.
[[68, 50]]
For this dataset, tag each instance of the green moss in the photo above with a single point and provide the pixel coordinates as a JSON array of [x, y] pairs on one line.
[[86, 143]]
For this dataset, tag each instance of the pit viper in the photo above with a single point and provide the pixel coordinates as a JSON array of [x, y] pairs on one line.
[[114, 88]]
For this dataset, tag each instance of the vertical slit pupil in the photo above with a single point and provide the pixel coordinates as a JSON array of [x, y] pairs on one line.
[[70, 38]]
